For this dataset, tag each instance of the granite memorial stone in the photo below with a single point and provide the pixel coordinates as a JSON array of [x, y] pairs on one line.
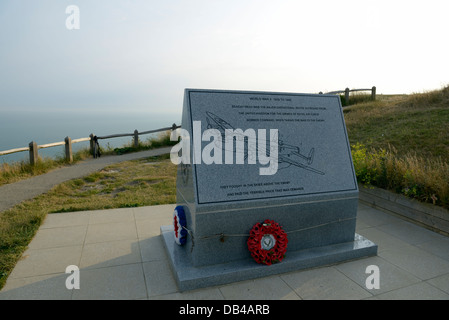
[[248, 157]]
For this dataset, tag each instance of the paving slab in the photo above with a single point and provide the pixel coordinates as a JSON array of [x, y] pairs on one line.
[[267, 288], [418, 291], [391, 276], [121, 256], [122, 282], [325, 283], [441, 282], [419, 262]]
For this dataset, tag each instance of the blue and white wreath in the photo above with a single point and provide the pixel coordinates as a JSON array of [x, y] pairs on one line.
[[180, 223]]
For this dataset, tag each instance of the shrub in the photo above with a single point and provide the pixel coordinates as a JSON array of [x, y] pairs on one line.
[[416, 177]]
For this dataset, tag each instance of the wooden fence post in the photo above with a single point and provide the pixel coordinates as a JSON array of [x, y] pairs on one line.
[[373, 93], [33, 153], [136, 138], [68, 149], [347, 96], [91, 143]]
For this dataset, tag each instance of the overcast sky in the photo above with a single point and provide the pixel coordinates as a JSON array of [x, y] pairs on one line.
[[141, 54]]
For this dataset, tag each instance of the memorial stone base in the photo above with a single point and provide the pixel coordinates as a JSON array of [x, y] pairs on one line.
[[310, 189], [189, 277]]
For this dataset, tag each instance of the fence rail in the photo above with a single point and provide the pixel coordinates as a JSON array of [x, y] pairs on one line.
[[10, 151], [347, 91], [33, 147]]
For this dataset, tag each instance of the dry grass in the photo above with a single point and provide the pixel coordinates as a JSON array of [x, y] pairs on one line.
[[16, 171], [401, 143], [422, 178], [416, 123]]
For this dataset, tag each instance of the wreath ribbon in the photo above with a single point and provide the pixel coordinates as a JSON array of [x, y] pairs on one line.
[[179, 223]]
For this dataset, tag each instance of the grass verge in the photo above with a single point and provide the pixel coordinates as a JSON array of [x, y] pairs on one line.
[[20, 170], [424, 179], [401, 143]]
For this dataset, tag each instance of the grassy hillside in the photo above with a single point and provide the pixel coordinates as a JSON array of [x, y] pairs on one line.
[[401, 143], [415, 123]]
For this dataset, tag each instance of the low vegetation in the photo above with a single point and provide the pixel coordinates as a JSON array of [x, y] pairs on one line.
[[401, 143], [421, 178], [355, 98], [161, 140], [13, 172]]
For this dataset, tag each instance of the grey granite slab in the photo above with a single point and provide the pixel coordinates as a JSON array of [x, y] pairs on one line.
[[189, 277], [313, 151], [251, 156]]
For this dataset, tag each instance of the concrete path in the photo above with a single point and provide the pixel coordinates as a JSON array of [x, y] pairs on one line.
[[14, 193], [120, 255]]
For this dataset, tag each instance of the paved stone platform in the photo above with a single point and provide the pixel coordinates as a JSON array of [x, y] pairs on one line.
[[120, 255]]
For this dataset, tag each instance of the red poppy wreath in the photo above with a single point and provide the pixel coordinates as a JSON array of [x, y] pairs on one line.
[[267, 242]]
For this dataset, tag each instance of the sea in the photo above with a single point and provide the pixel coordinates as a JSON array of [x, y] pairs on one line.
[[19, 128]]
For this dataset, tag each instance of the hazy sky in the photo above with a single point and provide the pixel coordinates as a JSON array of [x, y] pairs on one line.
[[141, 54]]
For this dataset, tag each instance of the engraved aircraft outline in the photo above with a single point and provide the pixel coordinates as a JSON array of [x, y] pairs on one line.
[[288, 155]]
